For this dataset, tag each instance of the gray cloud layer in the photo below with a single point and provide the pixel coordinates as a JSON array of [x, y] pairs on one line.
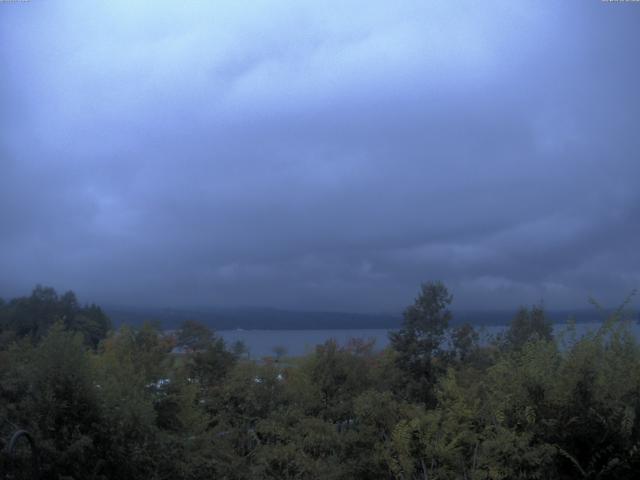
[[325, 155]]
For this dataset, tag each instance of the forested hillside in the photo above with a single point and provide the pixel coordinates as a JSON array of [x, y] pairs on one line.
[[124, 404]]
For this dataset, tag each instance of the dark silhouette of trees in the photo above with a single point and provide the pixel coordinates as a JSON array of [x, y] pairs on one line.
[[418, 344], [528, 325], [32, 317], [194, 335], [436, 404]]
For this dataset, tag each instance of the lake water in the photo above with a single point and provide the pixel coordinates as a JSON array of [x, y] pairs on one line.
[[261, 343], [297, 342]]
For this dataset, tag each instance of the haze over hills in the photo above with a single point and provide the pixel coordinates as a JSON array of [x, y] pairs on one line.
[[280, 319]]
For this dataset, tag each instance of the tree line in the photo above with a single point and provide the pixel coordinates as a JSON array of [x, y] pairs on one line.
[[436, 404]]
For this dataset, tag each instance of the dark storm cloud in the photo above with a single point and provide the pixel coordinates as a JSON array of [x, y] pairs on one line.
[[299, 155]]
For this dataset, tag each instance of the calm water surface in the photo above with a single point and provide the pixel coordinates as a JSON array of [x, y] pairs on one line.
[[261, 343]]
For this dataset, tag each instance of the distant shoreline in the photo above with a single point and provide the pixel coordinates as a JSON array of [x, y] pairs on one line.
[[274, 319]]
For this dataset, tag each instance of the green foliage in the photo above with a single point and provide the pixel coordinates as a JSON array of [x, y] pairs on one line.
[[418, 343], [51, 393], [465, 343], [32, 317], [338, 375], [526, 408], [194, 335], [528, 325]]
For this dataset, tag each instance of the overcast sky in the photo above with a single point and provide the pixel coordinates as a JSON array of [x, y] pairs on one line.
[[320, 155]]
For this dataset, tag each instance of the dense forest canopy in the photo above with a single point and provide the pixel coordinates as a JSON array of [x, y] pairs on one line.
[[126, 403], [34, 315]]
